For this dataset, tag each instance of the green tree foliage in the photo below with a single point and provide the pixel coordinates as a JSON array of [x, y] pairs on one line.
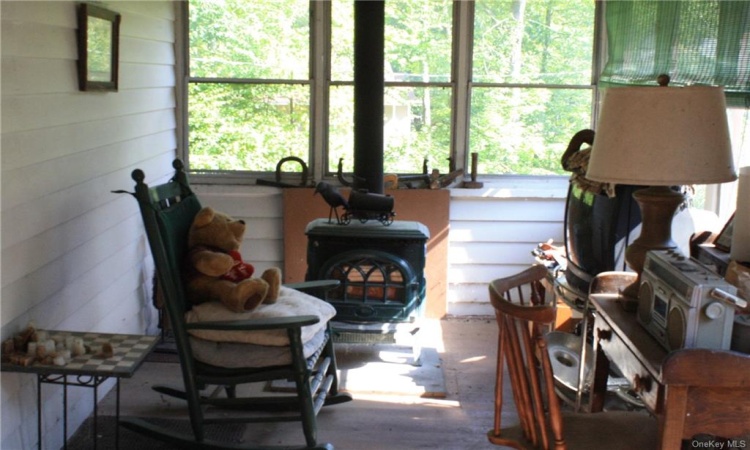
[[418, 37], [244, 126], [519, 125], [247, 127], [417, 122], [533, 58]]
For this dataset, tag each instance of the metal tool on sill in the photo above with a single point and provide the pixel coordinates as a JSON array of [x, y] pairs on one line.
[[277, 181]]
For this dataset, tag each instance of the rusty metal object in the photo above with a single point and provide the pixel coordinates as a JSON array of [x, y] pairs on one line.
[[438, 181], [473, 184], [365, 206], [277, 181], [344, 181]]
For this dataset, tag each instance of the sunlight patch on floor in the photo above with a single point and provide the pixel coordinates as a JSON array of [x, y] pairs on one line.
[[390, 369], [474, 359], [407, 400]]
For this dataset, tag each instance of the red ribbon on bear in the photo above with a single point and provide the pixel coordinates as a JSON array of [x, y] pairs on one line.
[[240, 271]]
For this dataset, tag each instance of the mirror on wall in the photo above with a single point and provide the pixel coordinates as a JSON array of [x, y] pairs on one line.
[[98, 48]]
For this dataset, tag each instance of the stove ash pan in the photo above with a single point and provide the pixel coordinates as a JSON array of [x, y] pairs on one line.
[[381, 272]]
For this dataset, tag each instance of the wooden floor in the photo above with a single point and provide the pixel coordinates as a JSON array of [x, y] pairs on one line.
[[460, 420]]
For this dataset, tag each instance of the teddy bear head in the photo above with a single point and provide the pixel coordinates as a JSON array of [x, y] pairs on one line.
[[217, 230]]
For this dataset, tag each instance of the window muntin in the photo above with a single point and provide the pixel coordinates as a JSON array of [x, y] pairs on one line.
[[214, 64]]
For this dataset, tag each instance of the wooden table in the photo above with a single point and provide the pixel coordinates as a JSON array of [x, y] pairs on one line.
[[620, 339], [691, 391], [89, 370]]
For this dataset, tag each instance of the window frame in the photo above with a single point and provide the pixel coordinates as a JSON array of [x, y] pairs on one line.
[[320, 84], [183, 81], [719, 198]]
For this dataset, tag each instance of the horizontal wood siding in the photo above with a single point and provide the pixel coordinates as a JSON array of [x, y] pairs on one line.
[[489, 237], [492, 237], [73, 253], [261, 209]]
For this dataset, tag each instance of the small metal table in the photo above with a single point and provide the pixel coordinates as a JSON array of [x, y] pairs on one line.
[[89, 370]]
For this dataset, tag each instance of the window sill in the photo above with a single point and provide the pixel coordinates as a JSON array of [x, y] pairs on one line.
[[505, 187], [516, 187]]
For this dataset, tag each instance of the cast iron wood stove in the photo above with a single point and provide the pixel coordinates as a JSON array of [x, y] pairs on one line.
[[381, 269]]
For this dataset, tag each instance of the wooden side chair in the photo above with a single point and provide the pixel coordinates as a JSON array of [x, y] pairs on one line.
[[524, 315], [297, 348]]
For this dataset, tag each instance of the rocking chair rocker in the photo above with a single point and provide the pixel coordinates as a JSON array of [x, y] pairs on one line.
[[168, 212]]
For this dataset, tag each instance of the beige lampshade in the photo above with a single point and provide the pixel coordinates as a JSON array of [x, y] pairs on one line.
[[662, 136]]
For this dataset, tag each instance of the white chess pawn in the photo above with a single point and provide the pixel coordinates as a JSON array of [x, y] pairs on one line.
[[78, 348]]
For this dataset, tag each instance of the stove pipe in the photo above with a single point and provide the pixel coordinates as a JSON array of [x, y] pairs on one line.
[[369, 88]]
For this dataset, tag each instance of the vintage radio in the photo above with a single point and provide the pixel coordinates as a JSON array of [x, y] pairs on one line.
[[683, 304]]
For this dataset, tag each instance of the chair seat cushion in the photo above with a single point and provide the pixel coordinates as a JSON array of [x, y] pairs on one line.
[[235, 355], [291, 302]]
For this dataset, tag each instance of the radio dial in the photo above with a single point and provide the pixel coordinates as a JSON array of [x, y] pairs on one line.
[[714, 310]]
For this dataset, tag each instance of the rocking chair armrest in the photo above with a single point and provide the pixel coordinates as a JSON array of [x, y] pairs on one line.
[[269, 323], [306, 286]]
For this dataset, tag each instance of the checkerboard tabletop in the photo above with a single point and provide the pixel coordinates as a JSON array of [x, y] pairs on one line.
[[129, 352]]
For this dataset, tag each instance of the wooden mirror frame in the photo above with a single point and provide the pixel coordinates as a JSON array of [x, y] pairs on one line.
[[104, 77]]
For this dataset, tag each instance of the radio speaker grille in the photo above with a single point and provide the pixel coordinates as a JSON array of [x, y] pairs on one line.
[[676, 327]]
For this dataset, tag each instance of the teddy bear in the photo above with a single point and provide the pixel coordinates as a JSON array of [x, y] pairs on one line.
[[215, 269]]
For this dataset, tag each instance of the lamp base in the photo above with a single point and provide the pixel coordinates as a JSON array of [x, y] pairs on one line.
[[658, 206]]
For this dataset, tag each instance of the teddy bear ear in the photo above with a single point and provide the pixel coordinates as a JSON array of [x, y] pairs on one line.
[[204, 217]]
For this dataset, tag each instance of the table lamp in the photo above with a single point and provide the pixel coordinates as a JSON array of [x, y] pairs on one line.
[[660, 138]]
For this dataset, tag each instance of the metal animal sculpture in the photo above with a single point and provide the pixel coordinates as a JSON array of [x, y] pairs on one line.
[[333, 198]]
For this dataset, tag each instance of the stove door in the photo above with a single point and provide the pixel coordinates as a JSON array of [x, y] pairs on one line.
[[376, 286]]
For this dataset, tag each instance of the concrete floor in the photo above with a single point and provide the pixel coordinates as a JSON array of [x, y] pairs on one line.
[[399, 417]]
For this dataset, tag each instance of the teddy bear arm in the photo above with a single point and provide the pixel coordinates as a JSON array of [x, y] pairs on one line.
[[213, 264]]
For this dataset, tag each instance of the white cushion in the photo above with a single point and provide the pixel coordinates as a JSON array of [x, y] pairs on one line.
[[235, 355], [290, 303]]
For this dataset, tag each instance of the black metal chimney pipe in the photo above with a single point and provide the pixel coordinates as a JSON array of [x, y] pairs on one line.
[[369, 89]]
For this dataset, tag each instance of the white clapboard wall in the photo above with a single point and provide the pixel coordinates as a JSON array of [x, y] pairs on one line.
[[73, 254], [492, 238], [492, 231]]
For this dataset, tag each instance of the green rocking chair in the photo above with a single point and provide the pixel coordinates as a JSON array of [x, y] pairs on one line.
[[310, 366]]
